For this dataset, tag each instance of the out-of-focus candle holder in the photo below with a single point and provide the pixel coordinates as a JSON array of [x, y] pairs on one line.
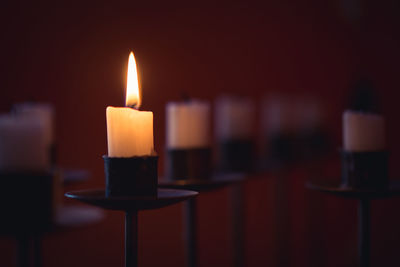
[[27, 204], [131, 205], [367, 170], [30, 204], [192, 164], [364, 197], [236, 155], [283, 149], [26, 195], [134, 176]]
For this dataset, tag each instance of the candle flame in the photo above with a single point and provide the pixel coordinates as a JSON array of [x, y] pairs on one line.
[[132, 84]]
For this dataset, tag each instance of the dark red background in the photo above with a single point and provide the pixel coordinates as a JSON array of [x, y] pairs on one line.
[[75, 55]]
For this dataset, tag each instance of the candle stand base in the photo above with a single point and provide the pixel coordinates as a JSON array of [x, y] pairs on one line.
[[200, 185], [131, 206], [364, 197]]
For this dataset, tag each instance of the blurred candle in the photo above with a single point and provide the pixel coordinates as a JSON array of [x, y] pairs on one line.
[[188, 125], [234, 118], [234, 122], [363, 131], [130, 131], [278, 116], [43, 111], [23, 144]]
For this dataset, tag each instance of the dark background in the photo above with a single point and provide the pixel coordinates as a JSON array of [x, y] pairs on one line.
[[75, 56]]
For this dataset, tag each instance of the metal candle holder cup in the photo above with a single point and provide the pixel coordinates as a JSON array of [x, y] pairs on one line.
[[183, 164], [365, 170], [236, 155], [134, 176], [26, 201], [282, 148]]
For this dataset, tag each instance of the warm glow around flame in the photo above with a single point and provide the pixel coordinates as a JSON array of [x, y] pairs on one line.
[[132, 84]]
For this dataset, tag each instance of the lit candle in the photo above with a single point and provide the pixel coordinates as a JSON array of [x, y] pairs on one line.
[[23, 144], [130, 131], [363, 131], [234, 118], [188, 125]]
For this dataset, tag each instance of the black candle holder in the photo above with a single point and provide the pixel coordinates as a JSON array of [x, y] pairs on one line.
[[134, 176], [199, 185], [26, 195], [131, 205], [236, 155], [193, 163], [28, 202], [27, 205], [283, 149], [364, 197], [365, 169]]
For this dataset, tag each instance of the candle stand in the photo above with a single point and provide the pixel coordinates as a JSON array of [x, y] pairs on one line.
[[131, 206], [364, 197], [199, 185], [27, 211], [29, 239], [237, 197], [238, 217]]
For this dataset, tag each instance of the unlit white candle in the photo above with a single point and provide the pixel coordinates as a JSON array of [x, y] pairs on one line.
[[188, 125], [43, 111], [278, 116], [23, 144], [234, 118], [363, 131]]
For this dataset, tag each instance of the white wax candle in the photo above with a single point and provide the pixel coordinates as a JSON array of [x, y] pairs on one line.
[[23, 144], [130, 131], [234, 118], [43, 111], [363, 132], [309, 113], [188, 125], [278, 116]]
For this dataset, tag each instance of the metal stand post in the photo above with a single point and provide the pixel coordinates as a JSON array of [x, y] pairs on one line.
[[37, 250], [131, 239], [191, 234], [23, 251], [282, 215], [237, 196], [364, 218]]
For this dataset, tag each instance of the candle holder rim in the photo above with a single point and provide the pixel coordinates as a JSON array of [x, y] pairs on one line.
[[342, 150], [165, 197], [392, 190], [155, 155]]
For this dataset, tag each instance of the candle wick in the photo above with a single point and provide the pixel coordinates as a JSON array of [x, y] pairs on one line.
[[134, 106]]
